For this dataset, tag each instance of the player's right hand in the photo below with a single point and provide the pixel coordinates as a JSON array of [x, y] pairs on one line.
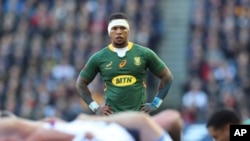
[[148, 107], [104, 111]]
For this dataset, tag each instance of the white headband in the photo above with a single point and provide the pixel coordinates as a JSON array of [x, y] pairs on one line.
[[117, 22]]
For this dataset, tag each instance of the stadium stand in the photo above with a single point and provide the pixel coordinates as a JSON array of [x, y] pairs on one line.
[[39, 38], [218, 60]]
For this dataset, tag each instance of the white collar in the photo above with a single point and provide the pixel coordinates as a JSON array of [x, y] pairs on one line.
[[121, 51]]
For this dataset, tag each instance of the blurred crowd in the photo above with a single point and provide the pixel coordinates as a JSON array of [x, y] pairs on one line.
[[45, 43], [218, 59]]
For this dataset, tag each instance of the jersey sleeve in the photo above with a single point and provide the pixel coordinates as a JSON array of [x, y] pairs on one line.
[[154, 63], [90, 69]]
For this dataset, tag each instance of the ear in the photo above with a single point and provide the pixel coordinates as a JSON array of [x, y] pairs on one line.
[[227, 126], [128, 30]]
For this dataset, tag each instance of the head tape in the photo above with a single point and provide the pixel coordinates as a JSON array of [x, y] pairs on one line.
[[117, 22]]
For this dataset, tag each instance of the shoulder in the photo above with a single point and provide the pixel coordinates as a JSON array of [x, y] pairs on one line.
[[142, 48], [137, 46], [100, 53]]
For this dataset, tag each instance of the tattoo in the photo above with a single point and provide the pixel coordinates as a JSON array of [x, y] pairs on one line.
[[166, 81], [164, 91], [83, 90]]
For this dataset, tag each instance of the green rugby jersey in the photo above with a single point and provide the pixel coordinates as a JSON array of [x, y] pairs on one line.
[[124, 77]]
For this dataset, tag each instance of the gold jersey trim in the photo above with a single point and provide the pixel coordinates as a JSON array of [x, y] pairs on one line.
[[130, 45]]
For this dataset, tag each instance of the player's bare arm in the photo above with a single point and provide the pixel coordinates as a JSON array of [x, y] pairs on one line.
[[49, 135], [16, 126], [166, 78], [84, 92], [149, 130]]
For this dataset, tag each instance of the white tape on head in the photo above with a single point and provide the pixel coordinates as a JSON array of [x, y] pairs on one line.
[[117, 22]]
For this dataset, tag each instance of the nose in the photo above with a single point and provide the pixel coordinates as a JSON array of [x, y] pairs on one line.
[[118, 30]]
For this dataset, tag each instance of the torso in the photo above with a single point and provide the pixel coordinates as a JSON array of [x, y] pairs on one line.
[[124, 77]]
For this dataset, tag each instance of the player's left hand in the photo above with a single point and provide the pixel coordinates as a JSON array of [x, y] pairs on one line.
[[104, 110], [148, 107]]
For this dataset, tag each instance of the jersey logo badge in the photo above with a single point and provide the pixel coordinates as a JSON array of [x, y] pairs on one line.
[[137, 61], [108, 66], [123, 63], [123, 80]]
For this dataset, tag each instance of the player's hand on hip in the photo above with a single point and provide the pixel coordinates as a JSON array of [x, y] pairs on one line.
[[148, 107], [104, 110]]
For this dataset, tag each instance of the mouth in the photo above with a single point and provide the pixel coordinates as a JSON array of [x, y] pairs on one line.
[[119, 38]]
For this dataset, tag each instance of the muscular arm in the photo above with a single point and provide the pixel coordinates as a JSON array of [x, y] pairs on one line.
[[158, 67], [31, 130], [166, 78], [83, 90], [87, 75], [149, 130], [49, 135], [21, 127]]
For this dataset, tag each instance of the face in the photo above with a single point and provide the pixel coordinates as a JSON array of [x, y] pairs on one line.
[[119, 36], [221, 134]]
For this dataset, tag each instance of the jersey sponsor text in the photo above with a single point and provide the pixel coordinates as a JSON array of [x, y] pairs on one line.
[[123, 80]]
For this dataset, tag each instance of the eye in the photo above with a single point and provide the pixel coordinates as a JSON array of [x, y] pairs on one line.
[[114, 28], [118, 27], [122, 28]]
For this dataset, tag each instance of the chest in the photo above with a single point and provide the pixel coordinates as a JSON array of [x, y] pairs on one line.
[[131, 64]]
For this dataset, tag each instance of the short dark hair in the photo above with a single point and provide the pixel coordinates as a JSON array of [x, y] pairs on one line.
[[118, 15], [223, 117]]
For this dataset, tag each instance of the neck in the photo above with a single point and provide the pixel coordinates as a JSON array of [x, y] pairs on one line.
[[120, 45]]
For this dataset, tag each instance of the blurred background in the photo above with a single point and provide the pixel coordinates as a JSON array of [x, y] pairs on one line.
[[205, 43]]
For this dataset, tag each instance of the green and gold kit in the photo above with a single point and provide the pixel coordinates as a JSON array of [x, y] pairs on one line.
[[124, 77]]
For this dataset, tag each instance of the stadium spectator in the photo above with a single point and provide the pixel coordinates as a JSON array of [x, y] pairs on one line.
[[219, 53], [37, 35], [195, 101], [219, 123]]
